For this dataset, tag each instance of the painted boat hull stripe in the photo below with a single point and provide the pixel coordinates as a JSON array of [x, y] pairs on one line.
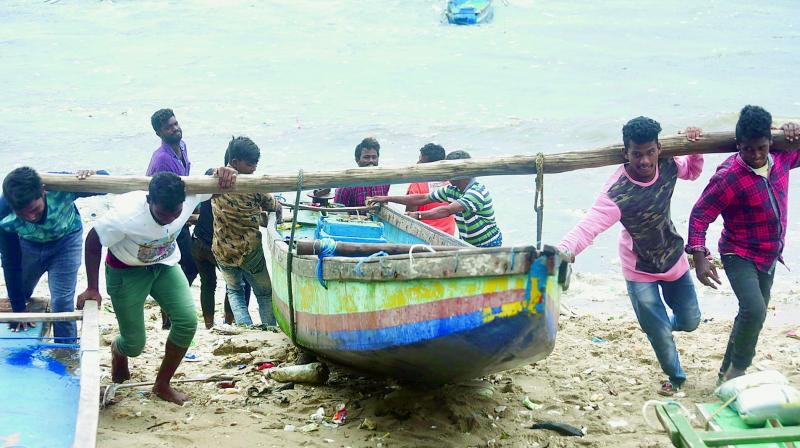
[[371, 320]]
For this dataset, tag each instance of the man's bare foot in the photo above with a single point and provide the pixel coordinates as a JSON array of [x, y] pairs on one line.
[[209, 321], [119, 365], [732, 373], [167, 393]]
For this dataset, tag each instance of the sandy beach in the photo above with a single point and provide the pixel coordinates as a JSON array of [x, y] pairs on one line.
[[599, 387], [598, 377]]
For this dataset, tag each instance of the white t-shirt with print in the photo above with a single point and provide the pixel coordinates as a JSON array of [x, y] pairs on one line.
[[135, 238]]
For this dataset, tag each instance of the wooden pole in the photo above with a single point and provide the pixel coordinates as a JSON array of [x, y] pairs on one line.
[[327, 209], [364, 249], [88, 401], [41, 317], [719, 142]]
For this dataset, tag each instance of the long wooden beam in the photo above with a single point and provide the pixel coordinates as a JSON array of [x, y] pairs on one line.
[[41, 317], [719, 142], [363, 249], [88, 402]]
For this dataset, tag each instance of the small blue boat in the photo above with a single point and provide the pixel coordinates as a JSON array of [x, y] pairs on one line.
[[469, 12], [49, 390]]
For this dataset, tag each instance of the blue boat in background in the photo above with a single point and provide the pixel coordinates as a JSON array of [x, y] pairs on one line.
[[469, 12]]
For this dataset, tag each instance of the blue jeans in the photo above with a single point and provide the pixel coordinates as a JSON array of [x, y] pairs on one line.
[[680, 296], [752, 288], [254, 270], [61, 259], [11, 257]]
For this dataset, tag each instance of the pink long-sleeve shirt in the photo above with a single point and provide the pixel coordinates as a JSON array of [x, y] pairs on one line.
[[649, 246]]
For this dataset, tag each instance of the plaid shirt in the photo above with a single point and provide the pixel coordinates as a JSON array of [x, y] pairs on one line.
[[753, 209], [355, 196]]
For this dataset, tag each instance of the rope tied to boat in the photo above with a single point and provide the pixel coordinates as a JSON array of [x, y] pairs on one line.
[[358, 269], [290, 257], [538, 199], [411, 268], [327, 248]]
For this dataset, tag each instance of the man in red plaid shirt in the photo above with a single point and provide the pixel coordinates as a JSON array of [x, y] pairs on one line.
[[750, 191]]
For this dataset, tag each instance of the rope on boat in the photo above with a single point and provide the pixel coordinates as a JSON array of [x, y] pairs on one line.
[[358, 270], [292, 323], [327, 248], [538, 199], [411, 256]]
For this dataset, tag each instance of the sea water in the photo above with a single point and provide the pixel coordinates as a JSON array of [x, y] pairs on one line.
[[308, 79]]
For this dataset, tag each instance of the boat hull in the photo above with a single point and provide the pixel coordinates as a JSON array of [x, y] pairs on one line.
[[440, 321]]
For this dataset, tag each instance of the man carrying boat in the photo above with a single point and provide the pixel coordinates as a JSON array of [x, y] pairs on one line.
[[237, 238], [140, 233], [50, 234], [750, 191], [467, 199], [638, 195], [172, 157], [367, 154], [431, 153]]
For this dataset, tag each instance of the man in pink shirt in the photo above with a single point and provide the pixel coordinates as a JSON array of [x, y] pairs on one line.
[[638, 195], [432, 153]]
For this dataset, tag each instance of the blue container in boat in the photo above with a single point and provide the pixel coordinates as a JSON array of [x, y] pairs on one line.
[[349, 231]]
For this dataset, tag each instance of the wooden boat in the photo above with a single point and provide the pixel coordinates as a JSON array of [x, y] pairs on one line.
[[469, 12], [427, 317], [39, 385]]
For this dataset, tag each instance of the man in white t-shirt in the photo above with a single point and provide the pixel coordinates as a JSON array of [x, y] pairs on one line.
[[142, 260]]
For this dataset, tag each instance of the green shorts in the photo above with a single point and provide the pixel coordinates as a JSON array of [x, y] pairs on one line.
[[128, 289]]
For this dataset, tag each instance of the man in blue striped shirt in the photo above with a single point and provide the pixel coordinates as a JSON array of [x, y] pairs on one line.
[[467, 199]]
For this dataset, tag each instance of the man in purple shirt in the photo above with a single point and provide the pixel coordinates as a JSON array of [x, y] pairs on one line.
[[172, 157], [367, 154]]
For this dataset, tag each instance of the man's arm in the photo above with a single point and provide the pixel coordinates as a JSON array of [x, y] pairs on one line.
[[439, 212], [412, 189], [93, 249], [714, 199], [270, 204], [603, 214], [691, 166], [413, 199], [792, 133]]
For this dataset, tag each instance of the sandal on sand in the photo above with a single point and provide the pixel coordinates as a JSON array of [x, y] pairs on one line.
[[668, 389]]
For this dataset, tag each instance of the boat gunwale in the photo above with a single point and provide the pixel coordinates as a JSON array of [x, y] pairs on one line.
[[497, 261], [88, 401], [88, 412]]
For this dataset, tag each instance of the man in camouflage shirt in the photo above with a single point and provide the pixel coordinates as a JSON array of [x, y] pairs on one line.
[[237, 238]]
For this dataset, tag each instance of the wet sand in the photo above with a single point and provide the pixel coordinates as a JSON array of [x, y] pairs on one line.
[[599, 387]]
